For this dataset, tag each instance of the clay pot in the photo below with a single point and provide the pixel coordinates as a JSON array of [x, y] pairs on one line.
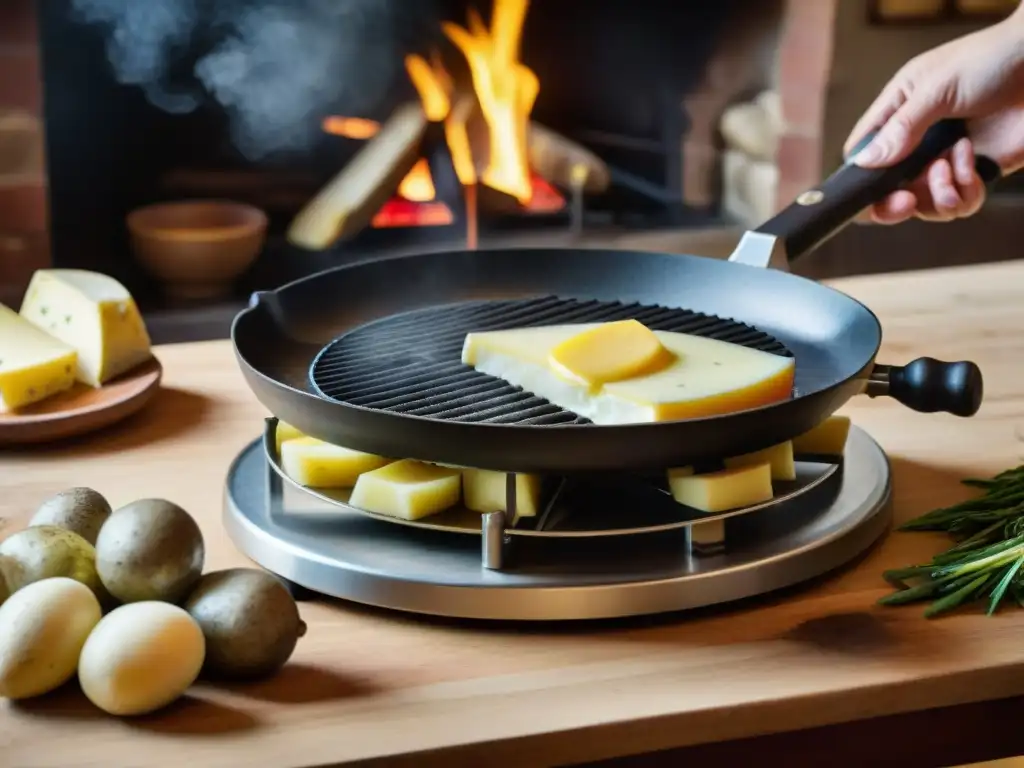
[[197, 248]]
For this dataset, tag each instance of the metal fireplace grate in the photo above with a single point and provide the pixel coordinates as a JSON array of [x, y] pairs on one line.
[[411, 363]]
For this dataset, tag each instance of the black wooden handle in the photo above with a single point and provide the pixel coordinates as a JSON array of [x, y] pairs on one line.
[[929, 386], [819, 213]]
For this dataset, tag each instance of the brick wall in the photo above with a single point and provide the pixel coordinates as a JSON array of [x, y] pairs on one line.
[[782, 44], [23, 205]]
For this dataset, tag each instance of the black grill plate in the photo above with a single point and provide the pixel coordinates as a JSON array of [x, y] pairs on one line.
[[411, 363]]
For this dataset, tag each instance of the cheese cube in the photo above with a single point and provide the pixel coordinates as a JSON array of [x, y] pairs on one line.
[[608, 352], [723, 490], [284, 432], [317, 464], [704, 377], [92, 313], [780, 457], [826, 439], [408, 490], [709, 536], [33, 364], [483, 490]]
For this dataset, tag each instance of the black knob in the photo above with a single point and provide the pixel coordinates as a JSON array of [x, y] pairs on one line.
[[256, 297], [929, 386]]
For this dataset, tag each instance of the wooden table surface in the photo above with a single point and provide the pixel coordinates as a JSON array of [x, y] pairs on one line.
[[367, 685]]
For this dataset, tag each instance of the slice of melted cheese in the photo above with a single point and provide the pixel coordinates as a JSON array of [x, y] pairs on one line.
[[94, 314], [33, 364], [705, 377]]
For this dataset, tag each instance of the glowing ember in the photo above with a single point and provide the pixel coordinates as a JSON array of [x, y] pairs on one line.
[[404, 213], [351, 127]]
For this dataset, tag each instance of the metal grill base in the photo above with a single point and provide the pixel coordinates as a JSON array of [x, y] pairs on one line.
[[429, 572]]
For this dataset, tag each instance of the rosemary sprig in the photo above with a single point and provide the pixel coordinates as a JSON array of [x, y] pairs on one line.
[[987, 560]]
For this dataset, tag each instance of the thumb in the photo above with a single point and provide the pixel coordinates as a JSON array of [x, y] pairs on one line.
[[902, 132]]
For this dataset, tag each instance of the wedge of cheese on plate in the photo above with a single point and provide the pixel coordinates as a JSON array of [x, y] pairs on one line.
[[408, 490], [483, 490], [620, 378], [727, 489], [92, 313], [33, 364], [826, 439], [779, 458], [317, 464]]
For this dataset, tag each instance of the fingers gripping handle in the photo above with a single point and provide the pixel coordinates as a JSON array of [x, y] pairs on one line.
[[988, 170], [928, 385], [819, 213]]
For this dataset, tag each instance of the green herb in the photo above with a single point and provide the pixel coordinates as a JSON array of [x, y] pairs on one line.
[[986, 561]]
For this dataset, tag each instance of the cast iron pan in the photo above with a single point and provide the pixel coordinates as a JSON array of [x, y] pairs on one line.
[[368, 355]]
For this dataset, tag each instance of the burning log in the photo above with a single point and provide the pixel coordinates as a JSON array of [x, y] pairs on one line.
[[562, 161], [350, 200]]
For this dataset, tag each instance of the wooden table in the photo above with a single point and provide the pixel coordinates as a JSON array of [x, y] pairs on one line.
[[388, 689]]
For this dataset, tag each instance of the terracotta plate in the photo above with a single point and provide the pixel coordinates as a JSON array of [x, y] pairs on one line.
[[82, 409]]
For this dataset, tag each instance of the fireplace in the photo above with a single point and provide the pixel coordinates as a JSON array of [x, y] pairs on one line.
[[647, 125], [278, 103]]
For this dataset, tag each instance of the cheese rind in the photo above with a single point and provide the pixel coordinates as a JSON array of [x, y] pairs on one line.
[[826, 439], [408, 490], [483, 490], [33, 364], [316, 464], [724, 490], [779, 457], [609, 352], [707, 377], [92, 313]]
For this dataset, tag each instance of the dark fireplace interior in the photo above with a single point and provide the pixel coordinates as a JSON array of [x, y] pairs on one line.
[[196, 98]]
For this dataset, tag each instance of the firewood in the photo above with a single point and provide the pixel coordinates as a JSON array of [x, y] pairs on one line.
[[555, 157], [368, 180]]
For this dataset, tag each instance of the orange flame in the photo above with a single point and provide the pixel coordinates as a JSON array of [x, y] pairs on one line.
[[506, 90], [351, 127], [418, 184], [432, 85]]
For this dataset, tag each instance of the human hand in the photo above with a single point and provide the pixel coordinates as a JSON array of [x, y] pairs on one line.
[[979, 77]]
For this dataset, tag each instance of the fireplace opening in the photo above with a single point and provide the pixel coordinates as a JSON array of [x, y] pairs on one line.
[[375, 126]]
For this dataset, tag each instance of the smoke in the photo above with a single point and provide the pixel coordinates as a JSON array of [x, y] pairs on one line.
[[275, 66]]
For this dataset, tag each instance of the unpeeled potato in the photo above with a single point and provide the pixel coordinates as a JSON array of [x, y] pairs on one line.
[[141, 657], [43, 627]]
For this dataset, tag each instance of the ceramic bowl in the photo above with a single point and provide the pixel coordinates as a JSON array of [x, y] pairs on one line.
[[197, 248]]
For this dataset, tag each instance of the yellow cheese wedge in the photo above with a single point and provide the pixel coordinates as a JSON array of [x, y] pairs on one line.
[[706, 377], [724, 490], [407, 489], [317, 464], [33, 364], [285, 432], [624, 349], [92, 313], [779, 457], [483, 490], [826, 439]]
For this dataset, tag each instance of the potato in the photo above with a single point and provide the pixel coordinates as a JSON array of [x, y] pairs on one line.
[[7, 566], [140, 658], [79, 510], [43, 627], [250, 621], [45, 552], [150, 549]]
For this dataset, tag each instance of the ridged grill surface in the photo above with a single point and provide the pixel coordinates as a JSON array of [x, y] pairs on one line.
[[411, 363]]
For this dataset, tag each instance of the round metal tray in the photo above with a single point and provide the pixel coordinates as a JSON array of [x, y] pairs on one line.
[[652, 509], [343, 553]]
